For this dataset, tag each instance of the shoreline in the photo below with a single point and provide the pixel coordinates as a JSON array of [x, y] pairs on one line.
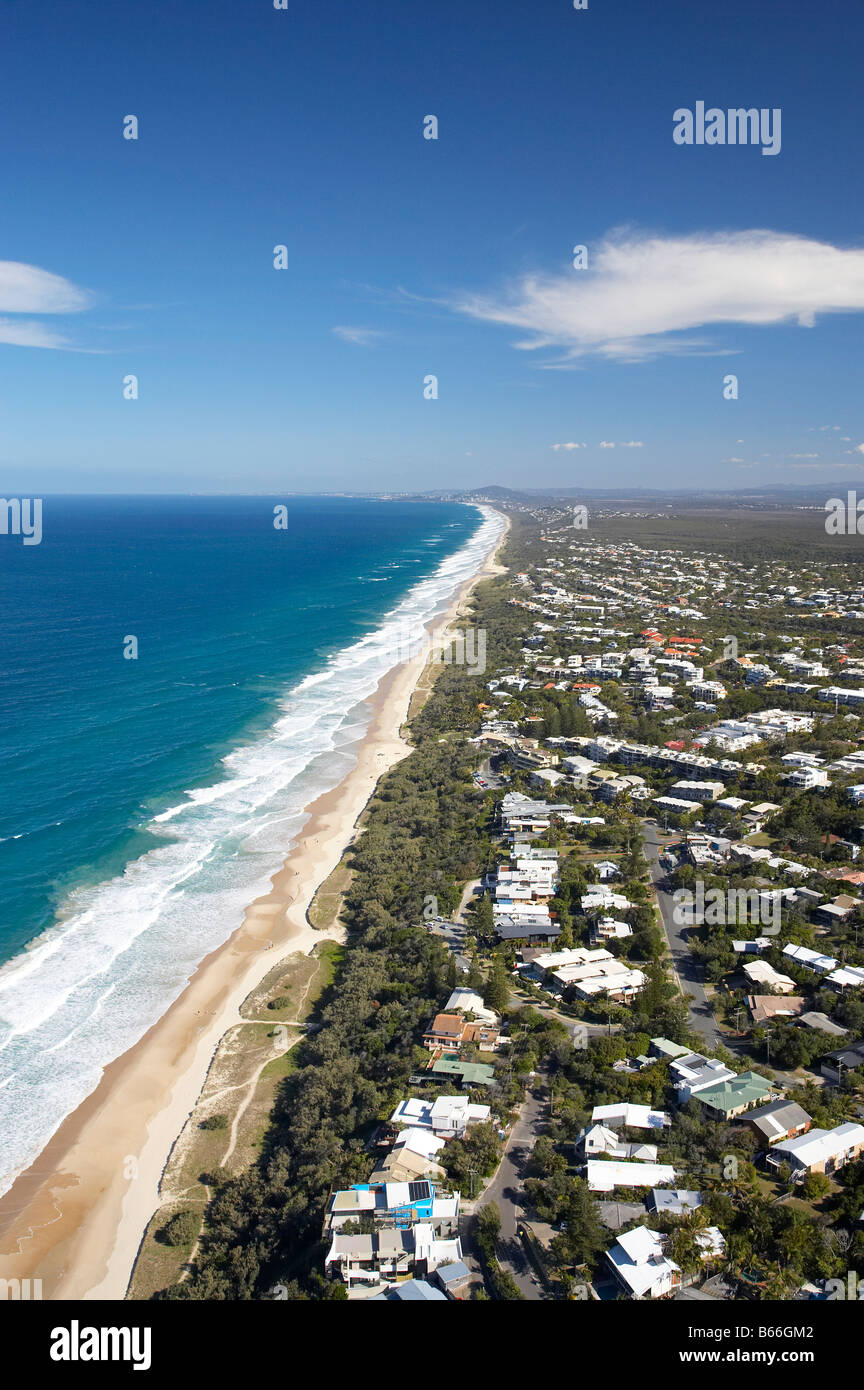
[[76, 1216]]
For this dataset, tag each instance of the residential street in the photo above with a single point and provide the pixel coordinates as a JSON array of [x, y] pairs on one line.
[[687, 971], [505, 1190]]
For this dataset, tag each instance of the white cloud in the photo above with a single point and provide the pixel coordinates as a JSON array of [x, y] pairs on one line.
[[632, 444], [571, 445], [802, 456], [642, 288], [859, 449], [27, 289], [360, 337], [606, 444], [26, 333]]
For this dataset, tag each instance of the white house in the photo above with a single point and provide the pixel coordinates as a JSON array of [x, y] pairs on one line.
[[604, 1175], [820, 1150], [695, 1073], [639, 1264], [448, 1116], [630, 1116]]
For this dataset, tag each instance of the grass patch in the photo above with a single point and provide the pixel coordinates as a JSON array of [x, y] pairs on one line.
[[326, 905], [159, 1264]]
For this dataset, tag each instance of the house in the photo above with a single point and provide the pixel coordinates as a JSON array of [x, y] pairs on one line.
[[611, 978], [677, 1202], [711, 1242], [601, 898], [662, 1047], [537, 928], [368, 1259], [846, 977], [810, 960], [409, 1165], [605, 869], [400, 1204], [836, 1064], [781, 1119], [454, 1279], [546, 965], [686, 790], [822, 1023], [448, 1116], [413, 1291], [820, 1150], [766, 1006], [733, 1097], [677, 805], [639, 1264], [833, 914], [469, 1073], [759, 972], [695, 1073], [803, 778], [420, 1141], [452, 1031], [604, 1175], [608, 929], [468, 1001], [623, 1114], [445, 1030], [600, 1139]]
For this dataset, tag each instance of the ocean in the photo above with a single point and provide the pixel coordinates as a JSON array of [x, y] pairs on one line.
[[145, 801]]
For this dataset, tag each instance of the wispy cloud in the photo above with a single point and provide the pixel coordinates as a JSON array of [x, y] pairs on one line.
[[27, 289], [360, 337], [641, 290], [571, 445]]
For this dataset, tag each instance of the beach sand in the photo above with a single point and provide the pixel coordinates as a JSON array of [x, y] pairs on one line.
[[75, 1218]]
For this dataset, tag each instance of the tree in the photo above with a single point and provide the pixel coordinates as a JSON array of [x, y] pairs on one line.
[[484, 917], [496, 992], [815, 1186], [181, 1229]]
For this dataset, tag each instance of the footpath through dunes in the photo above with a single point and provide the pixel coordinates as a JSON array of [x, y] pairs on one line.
[[224, 1132]]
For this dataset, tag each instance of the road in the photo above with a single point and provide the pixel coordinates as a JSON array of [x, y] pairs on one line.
[[505, 1190], [574, 1027], [491, 779], [686, 968]]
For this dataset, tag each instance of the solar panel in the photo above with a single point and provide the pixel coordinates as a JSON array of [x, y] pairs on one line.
[[419, 1191]]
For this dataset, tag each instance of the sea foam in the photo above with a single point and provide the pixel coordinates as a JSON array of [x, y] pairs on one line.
[[122, 950]]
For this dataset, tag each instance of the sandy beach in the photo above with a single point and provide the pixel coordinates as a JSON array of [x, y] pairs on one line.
[[75, 1218]]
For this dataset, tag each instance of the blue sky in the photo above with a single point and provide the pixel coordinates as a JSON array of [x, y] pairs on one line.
[[409, 257]]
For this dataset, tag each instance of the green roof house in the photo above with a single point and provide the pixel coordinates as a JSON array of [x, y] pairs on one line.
[[730, 1098]]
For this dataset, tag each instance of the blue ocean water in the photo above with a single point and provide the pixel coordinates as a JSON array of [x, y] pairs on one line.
[[145, 802]]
